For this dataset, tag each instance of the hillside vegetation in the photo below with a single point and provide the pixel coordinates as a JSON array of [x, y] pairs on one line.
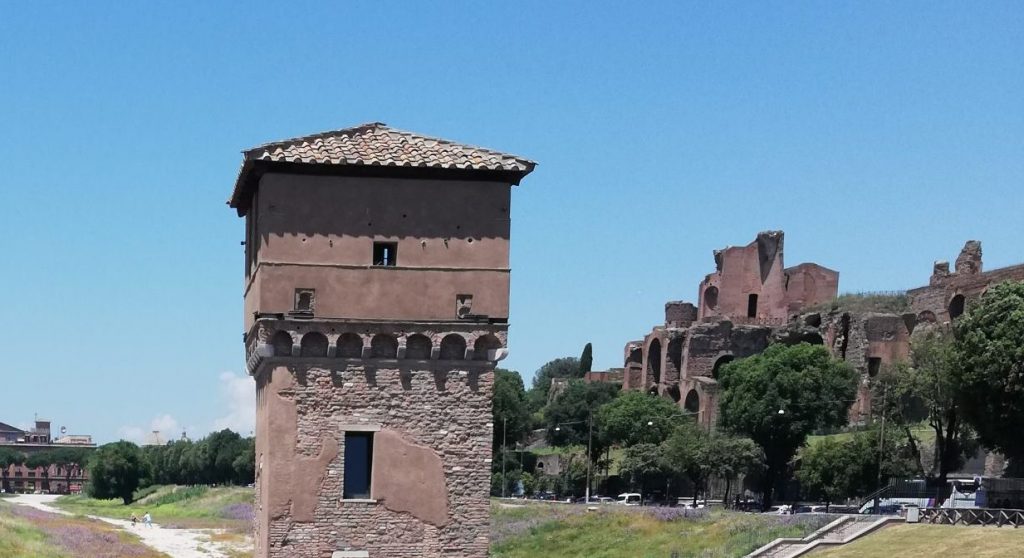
[[176, 506]]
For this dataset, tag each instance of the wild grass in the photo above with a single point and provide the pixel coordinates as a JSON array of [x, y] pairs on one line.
[[28, 532], [933, 540], [557, 531], [888, 303], [177, 506]]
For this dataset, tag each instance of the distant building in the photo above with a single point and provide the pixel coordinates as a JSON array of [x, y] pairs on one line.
[[53, 478]]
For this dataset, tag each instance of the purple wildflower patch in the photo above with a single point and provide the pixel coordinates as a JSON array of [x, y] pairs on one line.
[[240, 512]]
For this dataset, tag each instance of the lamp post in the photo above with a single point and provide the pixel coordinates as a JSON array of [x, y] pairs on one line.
[[590, 443]]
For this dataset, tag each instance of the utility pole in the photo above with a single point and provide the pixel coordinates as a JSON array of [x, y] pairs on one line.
[[590, 438], [504, 430], [881, 446]]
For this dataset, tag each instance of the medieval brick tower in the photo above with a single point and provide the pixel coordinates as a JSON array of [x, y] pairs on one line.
[[376, 306]]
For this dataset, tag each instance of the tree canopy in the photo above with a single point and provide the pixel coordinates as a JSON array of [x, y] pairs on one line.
[[990, 375], [926, 389], [636, 417], [810, 388], [570, 412], [586, 359], [509, 407], [115, 471]]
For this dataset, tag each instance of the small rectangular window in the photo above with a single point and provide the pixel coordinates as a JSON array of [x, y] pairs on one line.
[[752, 306], [358, 464], [305, 300], [385, 253]]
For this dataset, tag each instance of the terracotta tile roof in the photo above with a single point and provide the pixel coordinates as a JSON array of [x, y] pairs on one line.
[[378, 144]]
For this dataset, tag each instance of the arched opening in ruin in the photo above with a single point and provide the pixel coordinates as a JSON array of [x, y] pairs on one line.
[[711, 297], [752, 306], [673, 392], [313, 344], [453, 347], [282, 343], [417, 347], [483, 345], [654, 362], [350, 345], [692, 403], [927, 316], [384, 345], [956, 307], [675, 358], [716, 370], [636, 356]]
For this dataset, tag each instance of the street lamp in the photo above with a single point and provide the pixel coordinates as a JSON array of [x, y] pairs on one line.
[[590, 441]]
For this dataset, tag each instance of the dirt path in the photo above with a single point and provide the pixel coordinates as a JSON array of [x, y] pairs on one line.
[[176, 543]]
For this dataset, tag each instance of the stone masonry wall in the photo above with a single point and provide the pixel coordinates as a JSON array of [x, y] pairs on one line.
[[444, 406]]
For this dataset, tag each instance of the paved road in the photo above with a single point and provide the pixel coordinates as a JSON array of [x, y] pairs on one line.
[[177, 543]]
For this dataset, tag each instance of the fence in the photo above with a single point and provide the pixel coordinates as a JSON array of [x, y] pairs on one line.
[[972, 516]]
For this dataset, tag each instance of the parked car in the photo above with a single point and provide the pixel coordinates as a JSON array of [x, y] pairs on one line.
[[628, 499], [547, 496]]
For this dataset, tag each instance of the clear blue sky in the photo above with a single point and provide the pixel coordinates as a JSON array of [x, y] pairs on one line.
[[879, 137]]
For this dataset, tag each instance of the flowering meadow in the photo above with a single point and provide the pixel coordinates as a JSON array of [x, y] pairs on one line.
[[28, 532]]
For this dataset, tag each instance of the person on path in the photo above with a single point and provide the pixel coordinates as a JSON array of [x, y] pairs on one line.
[[135, 520], [147, 519]]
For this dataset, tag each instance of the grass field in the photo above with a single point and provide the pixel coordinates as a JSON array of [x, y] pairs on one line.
[[933, 540], [562, 531], [228, 508], [25, 532]]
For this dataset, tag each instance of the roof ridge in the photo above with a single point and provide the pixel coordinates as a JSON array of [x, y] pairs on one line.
[[351, 130]]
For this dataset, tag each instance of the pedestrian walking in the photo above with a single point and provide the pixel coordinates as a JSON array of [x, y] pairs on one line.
[[147, 519]]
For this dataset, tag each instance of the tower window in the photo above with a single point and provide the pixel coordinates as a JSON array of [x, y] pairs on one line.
[[305, 299], [752, 306], [358, 463], [385, 253]]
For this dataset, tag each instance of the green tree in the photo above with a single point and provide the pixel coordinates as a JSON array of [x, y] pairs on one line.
[[990, 346], [834, 470], [731, 456], [687, 453], [509, 408], [9, 457], [927, 389], [115, 471], [636, 417], [567, 367], [244, 464], [641, 461], [567, 418], [586, 360], [780, 396]]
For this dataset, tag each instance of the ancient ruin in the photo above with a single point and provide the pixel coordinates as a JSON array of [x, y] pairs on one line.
[[376, 306], [752, 300]]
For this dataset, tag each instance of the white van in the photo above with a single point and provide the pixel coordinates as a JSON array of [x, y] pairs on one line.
[[628, 499]]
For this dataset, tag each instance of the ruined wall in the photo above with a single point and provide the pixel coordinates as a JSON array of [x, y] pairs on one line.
[[948, 295], [431, 463], [751, 284]]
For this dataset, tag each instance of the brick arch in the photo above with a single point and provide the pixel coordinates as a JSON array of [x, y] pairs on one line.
[[654, 361], [313, 344], [692, 402], [384, 345], [418, 347], [453, 347], [721, 361], [957, 305], [483, 344], [350, 345], [282, 343]]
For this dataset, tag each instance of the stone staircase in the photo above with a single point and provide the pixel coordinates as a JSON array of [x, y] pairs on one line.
[[839, 532]]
